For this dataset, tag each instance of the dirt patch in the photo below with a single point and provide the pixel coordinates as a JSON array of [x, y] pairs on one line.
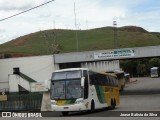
[[132, 29], [15, 55], [22, 39]]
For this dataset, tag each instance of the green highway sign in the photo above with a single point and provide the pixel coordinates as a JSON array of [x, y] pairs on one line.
[[114, 54]]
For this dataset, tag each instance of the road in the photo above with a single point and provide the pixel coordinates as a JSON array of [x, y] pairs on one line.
[[142, 94], [141, 86]]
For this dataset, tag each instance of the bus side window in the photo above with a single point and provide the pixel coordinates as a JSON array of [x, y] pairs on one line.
[[111, 81], [103, 80], [96, 79], [91, 78], [85, 74], [107, 80], [114, 82]]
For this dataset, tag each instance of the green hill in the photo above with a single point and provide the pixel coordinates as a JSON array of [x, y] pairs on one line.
[[60, 40]]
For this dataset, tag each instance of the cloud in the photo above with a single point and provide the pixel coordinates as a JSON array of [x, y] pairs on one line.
[[44, 15], [89, 14], [8, 5], [2, 30], [6, 37], [3, 38]]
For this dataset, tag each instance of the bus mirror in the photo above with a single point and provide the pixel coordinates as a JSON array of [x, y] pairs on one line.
[[52, 83], [82, 81], [47, 84]]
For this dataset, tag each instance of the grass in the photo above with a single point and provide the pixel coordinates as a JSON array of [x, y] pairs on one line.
[[94, 39]]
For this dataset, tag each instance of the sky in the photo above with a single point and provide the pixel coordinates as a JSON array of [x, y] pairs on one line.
[[60, 14]]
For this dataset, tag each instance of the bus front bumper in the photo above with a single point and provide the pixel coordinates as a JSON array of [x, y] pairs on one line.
[[74, 107]]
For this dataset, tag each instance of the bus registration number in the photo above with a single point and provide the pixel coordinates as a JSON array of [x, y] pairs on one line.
[[60, 102]]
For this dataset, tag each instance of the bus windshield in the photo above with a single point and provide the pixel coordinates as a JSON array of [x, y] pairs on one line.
[[66, 89], [66, 85], [154, 71]]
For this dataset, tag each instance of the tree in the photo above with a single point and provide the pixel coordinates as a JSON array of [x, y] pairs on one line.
[[139, 67], [154, 62], [129, 66], [7, 55], [141, 70]]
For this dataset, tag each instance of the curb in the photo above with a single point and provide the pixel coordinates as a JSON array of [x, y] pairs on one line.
[[132, 81]]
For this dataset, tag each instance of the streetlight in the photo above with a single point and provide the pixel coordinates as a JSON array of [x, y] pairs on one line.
[[76, 27], [115, 33]]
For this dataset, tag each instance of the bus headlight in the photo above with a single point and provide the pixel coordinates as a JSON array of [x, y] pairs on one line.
[[79, 101], [53, 103]]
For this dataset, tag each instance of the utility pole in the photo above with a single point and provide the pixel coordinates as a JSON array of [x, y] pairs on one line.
[[87, 24], [115, 33], [54, 24], [76, 27]]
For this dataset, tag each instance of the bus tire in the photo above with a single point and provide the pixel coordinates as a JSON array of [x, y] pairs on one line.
[[112, 105], [65, 113], [92, 106], [115, 103], [122, 87]]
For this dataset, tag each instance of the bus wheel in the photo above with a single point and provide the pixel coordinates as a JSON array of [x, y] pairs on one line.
[[122, 87], [115, 103], [92, 106], [112, 105], [64, 113]]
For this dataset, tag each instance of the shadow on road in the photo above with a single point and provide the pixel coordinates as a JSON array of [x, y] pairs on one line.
[[142, 86], [89, 114], [140, 92]]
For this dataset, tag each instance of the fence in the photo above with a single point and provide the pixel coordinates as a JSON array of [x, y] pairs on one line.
[[22, 102]]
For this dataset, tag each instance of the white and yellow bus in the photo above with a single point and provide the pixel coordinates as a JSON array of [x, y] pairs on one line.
[[121, 78], [79, 89]]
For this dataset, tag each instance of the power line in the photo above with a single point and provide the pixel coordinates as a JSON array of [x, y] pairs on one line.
[[26, 10]]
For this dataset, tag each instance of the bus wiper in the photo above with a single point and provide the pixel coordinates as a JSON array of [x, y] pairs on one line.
[[70, 93], [60, 95]]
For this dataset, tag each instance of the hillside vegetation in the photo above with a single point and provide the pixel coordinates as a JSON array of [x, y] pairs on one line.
[[61, 41]]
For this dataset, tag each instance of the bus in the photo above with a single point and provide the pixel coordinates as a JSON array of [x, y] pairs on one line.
[[121, 78], [127, 77], [80, 89], [155, 72]]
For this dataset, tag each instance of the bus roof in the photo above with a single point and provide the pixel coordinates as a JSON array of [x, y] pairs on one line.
[[115, 71], [71, 69], [110, 74], [154, 67]]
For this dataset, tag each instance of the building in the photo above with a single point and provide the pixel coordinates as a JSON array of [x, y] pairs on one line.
[[40, 68]]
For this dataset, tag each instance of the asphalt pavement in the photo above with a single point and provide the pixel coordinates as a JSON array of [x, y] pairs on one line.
[[140, 95], [142, 86]]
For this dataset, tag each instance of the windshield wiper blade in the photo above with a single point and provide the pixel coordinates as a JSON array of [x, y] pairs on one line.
[[70, 93], [60, 95]]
